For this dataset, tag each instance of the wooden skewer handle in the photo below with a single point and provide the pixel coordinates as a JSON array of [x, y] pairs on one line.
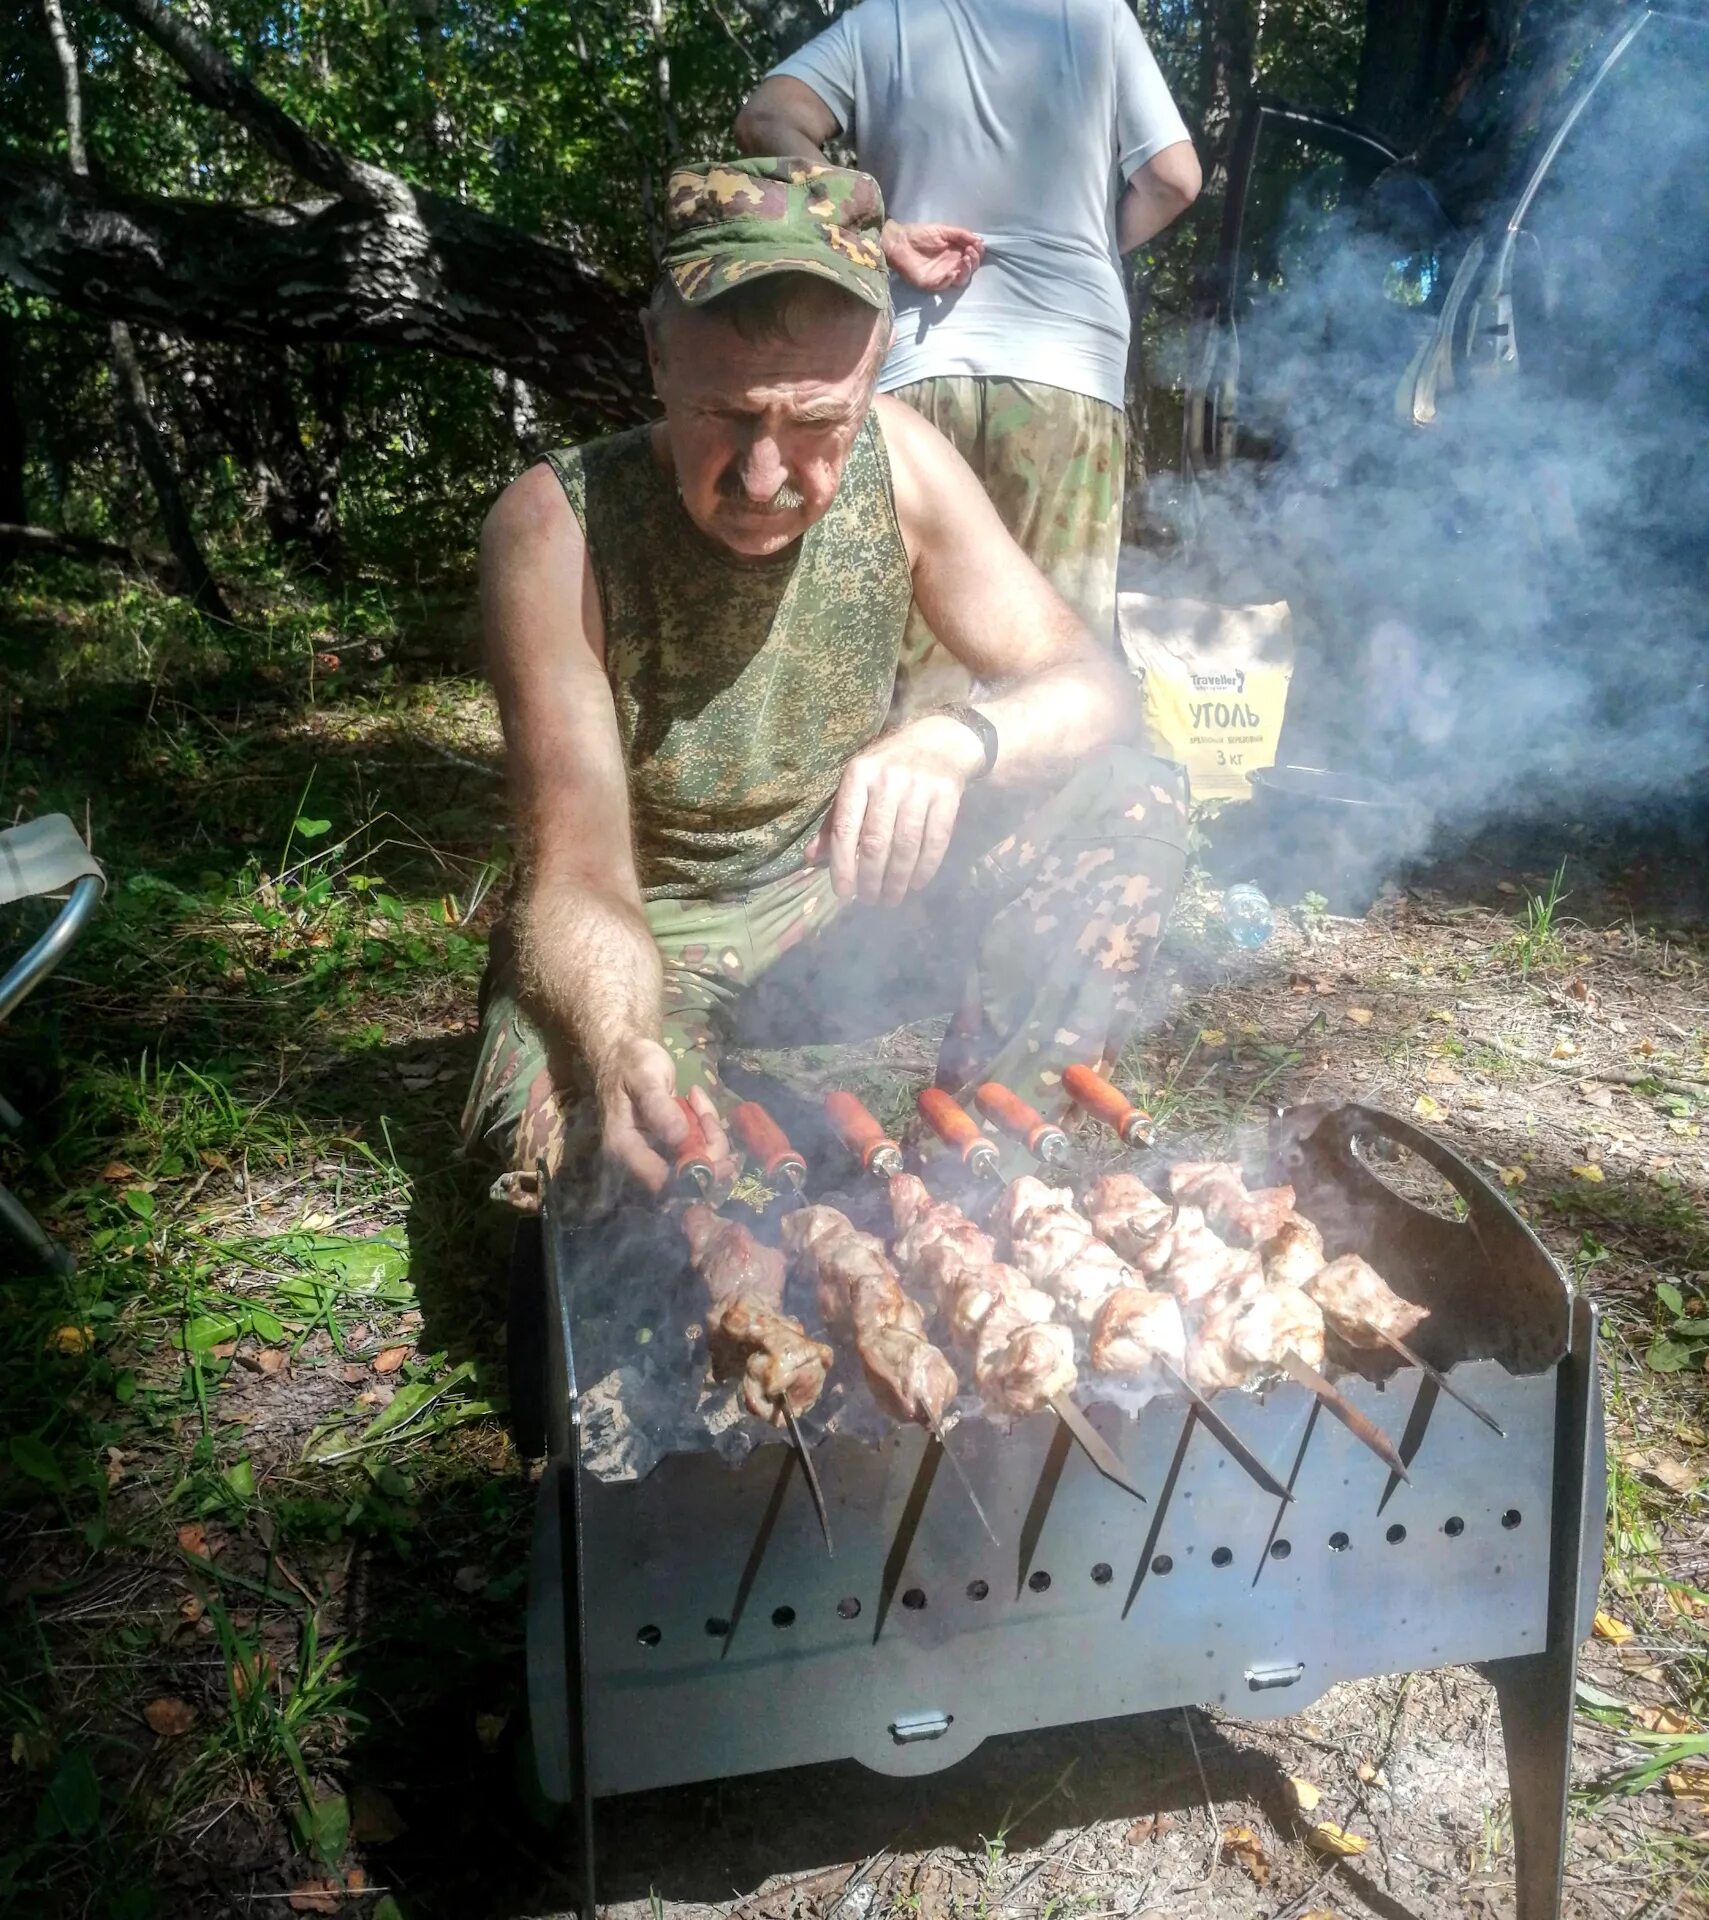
[[693, 1157], [952, 1123], [858, 1130], [1106, 1102], [760, 1134], [1010, 1112]]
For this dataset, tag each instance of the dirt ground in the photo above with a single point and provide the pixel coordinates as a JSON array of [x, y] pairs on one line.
[[264, 1546]]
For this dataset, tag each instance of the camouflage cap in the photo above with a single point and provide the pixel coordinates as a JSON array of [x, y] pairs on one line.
[[740, 220]]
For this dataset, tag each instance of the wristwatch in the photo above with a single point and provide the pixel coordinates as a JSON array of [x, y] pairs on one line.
[[975, 722]]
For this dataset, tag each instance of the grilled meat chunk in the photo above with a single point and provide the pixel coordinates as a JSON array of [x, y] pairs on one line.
[[1135, 1329], [936, 1244], [747, 1331], [860, 1295], [1020, 1364], [1361, 1305], [1293, 1253], [1198, 1262], [1126, 1214], [1055, 1247], [1244, 1219]]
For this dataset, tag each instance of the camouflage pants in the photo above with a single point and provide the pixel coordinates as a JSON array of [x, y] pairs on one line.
[[1059, 912], [1052, 463]]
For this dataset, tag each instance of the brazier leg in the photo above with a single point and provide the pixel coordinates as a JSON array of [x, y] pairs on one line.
[[1535, 1691]]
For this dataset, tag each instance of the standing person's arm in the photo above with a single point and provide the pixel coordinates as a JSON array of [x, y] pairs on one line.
[[1154, 155], [589, 968], [786, 116]]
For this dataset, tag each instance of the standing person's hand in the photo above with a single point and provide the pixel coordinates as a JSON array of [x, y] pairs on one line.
[[931, 256], [641, 1124], [890, 825]]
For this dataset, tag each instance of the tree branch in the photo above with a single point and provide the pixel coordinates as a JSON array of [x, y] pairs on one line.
[[447, 280], [223, 85]]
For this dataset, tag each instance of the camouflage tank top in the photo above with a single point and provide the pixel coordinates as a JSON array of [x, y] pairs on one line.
[[742, 686]]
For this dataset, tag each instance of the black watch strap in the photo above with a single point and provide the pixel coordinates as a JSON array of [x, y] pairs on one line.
[[975, 722]]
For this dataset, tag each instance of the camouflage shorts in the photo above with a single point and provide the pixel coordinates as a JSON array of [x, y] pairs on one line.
[[1052, 464], [1054, 911]]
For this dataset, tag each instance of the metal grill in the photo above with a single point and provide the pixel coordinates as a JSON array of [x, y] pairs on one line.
[[663, 1605]]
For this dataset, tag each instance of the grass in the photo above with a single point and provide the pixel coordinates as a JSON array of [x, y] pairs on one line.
[[1537, 943]]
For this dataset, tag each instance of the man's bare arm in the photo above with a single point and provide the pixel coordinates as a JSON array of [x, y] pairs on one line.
[[1054, 693], [1160, 192], [589, 967], [785, 118]]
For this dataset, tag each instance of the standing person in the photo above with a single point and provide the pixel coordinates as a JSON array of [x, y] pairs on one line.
[[1044, 131]]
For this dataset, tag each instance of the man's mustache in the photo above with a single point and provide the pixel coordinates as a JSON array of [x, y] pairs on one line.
[[787, 499]]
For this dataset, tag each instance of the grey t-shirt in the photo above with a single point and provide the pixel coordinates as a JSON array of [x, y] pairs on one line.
[[1023, 120]]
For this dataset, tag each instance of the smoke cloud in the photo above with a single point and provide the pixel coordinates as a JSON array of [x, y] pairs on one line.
[[1499, 567]]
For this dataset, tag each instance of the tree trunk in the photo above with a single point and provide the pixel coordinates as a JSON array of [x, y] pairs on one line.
[[12, 507], [132, 390], [1227, 47]]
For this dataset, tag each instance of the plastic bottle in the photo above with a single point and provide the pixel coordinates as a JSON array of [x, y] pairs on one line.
[[1247, 915]]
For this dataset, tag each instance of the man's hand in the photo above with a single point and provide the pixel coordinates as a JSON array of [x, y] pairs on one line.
[[890, 824], [930, 255], [639, 1115]]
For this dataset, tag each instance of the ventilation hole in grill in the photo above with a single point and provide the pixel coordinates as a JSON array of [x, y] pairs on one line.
[[649, 1636], [1453, 1526], [915, 1599], [1039, 1582], [717, 1628], [1510, 1519], [1339, 1543], [1395, 1535], [848, 1609], [1280, 1549], [783, 1616], [1222, 1556], [1103, 1573], [977, 1589], [1163, 1564]]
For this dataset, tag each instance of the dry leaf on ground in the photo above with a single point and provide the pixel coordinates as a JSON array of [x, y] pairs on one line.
[[1242, 1848], [1360, 1016], [169, 1715], [1428, 1109], [193, 1540], [1213, 1036], [1675, 1475], [1663, 1720], [1441, 1076], [1590, 1171], [389, 1359], [1511, 1176], [1152, 1827], [1371, 1776], [1594, 1096], [1563, 1050], [1607, 1627], [1306, 1795], [319, 1895], [1690, 1785], [119, 1170], [1327, 1837], [273, 1360], [253, 1675], [71, 1339]]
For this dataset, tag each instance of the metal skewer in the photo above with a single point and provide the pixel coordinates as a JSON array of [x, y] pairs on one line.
[[1096, 1448], [808, 1472], [1442, 1380], [937, 1433], [1223, 1432], [1349, 1415]]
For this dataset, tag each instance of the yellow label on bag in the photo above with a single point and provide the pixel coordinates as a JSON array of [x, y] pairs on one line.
[[1214, 683]]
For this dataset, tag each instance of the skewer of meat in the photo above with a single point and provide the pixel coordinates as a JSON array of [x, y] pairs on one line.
[[1218, 1188], [1023, 1358], [781, 1369], [861, 1295], [1053, 1244]]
